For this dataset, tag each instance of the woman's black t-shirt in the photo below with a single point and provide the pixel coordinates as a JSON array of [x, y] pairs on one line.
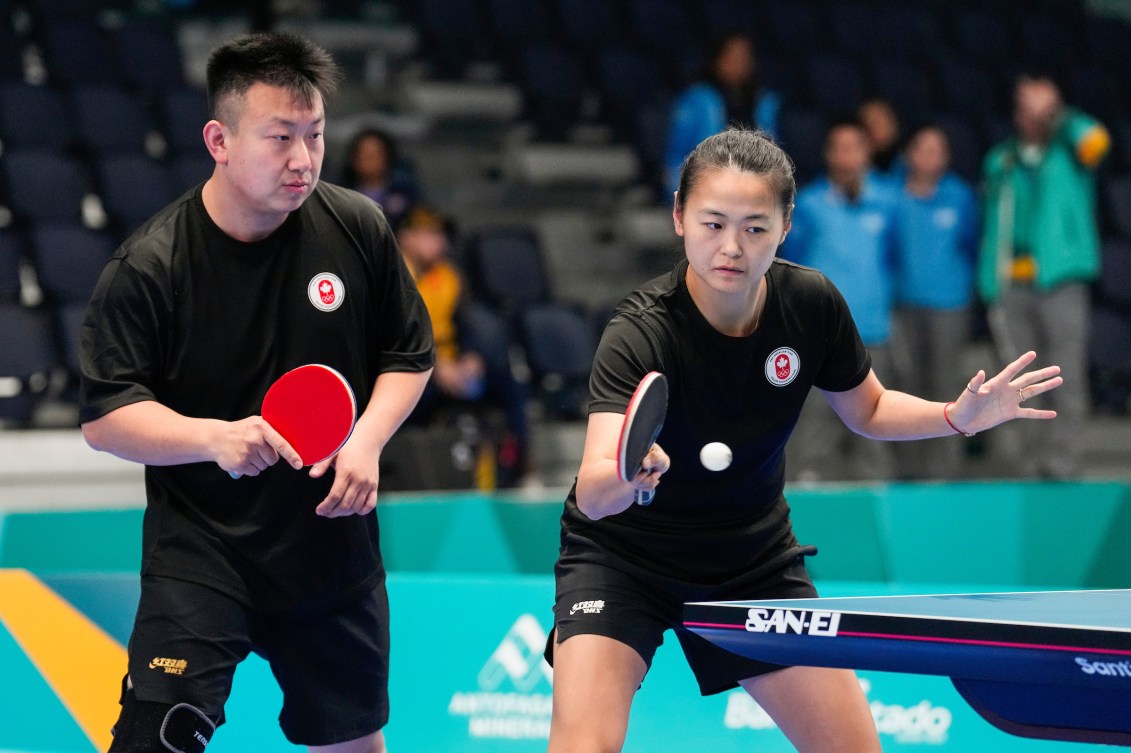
[[747, 392]]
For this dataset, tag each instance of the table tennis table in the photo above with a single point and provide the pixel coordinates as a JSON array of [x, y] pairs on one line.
[[1053, 665]]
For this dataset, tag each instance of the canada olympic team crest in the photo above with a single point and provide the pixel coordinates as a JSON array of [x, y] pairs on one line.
[[326, 291], [782, 366]]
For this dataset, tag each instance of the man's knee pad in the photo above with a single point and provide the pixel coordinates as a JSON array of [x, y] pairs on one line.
[[148, 727]]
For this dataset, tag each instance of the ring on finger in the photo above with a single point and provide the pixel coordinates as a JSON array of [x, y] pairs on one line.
[[1021, 395]]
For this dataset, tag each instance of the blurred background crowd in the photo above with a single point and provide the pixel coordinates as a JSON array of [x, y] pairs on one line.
[[965, 176]]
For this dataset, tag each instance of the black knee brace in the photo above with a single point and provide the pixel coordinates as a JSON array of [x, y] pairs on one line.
[[148, 727]]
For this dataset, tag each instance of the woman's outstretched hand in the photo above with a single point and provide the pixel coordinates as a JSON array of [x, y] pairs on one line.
[[985, 403]]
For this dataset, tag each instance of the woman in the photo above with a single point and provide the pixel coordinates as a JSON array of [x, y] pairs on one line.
[[729, 94], [936, 238], [372, 168], [742, 338]]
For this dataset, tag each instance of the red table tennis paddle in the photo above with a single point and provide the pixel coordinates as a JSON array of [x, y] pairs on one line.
[[313, 408], [642, 423]]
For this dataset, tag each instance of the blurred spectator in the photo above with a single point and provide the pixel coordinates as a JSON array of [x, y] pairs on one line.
[[730, 93], [881, 123], [464, 376], [372, 168], [936, 237], [1039, 251], [843, 225]]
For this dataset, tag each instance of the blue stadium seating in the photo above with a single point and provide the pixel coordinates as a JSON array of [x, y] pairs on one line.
[[44, 186], [34, 117]]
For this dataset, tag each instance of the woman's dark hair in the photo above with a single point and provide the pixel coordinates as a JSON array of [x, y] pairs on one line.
[[745, 150], [275, 58], [749, 90], [349, 174]]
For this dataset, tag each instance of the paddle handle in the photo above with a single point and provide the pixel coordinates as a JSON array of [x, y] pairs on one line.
[[644, 498]]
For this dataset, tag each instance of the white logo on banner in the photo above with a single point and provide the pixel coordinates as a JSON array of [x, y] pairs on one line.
[[506, 705], [921, 724]]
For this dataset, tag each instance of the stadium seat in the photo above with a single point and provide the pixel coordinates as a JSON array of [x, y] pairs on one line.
[[27, 357], [506, 269], [11, 255], [148, 56], [516, 23], [984, 37], [589, 26], [628, 80], [34, 117], [662, 25], [797, 25], [906, 86], [802, 135], [854, 26], [559, 344], [553, 85], [722, 17], [110, 119], [133, 188], [965, 87], [68, 259], [78, 51], [835, 84], [486, 332], [183, 111], [450, 30], [11, 56], [44, 186]]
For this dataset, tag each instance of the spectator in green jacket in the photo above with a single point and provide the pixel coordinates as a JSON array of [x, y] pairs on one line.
[[1039, 251]]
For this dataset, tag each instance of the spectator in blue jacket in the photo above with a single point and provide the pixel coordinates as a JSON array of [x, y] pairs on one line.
[[730, 93], [843, 225], [936, 234]]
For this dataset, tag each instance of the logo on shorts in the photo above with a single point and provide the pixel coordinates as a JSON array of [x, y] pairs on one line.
[[326, 291], [171, 666], [588, 607], [782, 366]]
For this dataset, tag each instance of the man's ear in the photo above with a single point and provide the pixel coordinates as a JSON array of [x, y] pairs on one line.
[[215, 138]]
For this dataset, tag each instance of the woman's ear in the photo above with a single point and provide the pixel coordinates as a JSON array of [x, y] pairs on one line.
[[677, 214]]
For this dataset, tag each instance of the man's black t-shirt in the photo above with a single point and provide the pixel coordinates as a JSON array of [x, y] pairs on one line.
[[747, 392], [189, 317]]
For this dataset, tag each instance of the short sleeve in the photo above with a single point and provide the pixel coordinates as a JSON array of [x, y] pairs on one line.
[[847, 361], [626, 353], [120, 349]]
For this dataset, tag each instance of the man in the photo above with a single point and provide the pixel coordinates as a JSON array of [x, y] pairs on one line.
[[843, 225], [1039, 251], [256, 271]]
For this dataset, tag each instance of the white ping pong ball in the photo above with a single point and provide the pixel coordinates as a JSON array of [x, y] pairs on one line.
[[715, 456]]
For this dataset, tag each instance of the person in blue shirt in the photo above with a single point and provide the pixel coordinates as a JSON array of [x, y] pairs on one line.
[[843, 225], [730, 93], [936, 232]]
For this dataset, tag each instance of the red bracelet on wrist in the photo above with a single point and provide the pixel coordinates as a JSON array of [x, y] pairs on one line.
[[951, 425]]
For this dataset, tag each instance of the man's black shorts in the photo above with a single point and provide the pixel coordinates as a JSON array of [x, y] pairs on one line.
[[599, 593], [333, 667]]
